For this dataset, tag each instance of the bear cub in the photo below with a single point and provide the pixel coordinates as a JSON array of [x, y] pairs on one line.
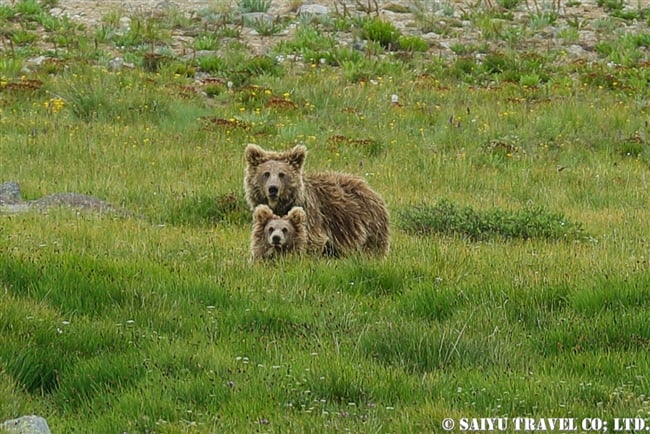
[[274, 235]]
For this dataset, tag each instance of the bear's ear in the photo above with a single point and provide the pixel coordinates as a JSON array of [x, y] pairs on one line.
[[296, 156], [262, 214], [297, 216], [255, 155]]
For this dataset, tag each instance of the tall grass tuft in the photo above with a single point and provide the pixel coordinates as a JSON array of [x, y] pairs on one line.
[[113, 97], [383, 32], [248, 6], [228, 208], [528, 223], [419, 347]]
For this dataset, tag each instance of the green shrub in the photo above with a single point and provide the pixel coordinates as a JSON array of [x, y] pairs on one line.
[[262, 65], [178, 67], [497, 63], [22, 37], [464, 68], [306, 40], [509, 4], [337, 56], [207, 211], [265, 27], [211, 64], [141, 32], [152, 62], [247, 6], [633, 148], [413, 43], [367, 68], [6, 12], [450, 219], [206, 42], [462, 49], [611, 5], [383, 32], [29, 8], [101, 95]]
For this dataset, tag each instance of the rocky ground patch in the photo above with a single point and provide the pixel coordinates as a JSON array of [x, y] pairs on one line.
[[576, 26], [11, 201]]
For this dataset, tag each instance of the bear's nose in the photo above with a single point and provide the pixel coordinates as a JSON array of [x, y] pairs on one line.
[[273, 190], [275, 239]]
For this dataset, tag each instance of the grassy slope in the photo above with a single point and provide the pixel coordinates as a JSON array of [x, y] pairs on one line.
[[159, 323]]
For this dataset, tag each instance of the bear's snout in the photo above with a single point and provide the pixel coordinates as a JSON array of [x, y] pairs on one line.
[[276, 239], [273, 190]]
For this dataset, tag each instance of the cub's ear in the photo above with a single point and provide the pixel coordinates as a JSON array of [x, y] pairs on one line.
[[297, 216], [296, 156], [262, 214], [255, 155]]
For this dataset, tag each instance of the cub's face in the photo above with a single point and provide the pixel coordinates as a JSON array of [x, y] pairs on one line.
[[276, 179], [280, 233], [274, 235]]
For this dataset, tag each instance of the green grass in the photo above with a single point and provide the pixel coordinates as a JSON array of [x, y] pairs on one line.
[[517, 282], [528, 223]]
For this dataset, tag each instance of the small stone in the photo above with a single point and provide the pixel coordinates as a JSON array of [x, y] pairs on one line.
[[9, 193], [125, 24], [34, 63], [313, 10], [398, 8], [56, 12], [252, 18], [26, 425], [118, 63]]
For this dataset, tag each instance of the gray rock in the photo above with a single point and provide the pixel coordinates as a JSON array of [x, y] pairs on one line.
[[250, 19], [13, 208], [9, 193], [313, 10], [164, 7], [56, 12], [36, 61], [117, 63], [398, 8], [70, 200], [12, 203], [125, 24], [26, 425], [200, 53], [576, 51]]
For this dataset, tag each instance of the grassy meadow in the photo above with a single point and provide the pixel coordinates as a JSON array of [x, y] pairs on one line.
[[518, 283]]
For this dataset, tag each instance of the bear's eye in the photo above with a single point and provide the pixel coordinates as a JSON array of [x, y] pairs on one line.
[[271, 229], [285, 230], [281, 175], [266, 174]]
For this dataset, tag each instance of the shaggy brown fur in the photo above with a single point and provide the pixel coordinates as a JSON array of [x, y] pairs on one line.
[[273, 235], [343, 213]]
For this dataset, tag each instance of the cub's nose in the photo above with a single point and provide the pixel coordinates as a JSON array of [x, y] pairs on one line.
[[273, 190], [275, 239]]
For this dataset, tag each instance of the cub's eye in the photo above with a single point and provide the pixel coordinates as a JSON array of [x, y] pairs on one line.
[[271, 230], [285, 230], [281, 174], [266, 174]]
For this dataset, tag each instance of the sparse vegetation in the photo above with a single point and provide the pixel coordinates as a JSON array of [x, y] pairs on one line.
[[248, 6], [529, 223], [382, 32]]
